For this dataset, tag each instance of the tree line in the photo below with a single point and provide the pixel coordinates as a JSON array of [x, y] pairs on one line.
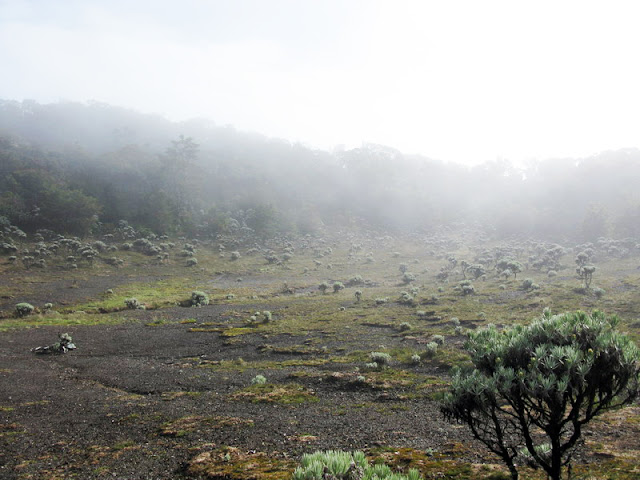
[[77, 167]]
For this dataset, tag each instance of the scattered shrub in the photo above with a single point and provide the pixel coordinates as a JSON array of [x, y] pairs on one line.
[[23, 309], [192, 262], [406, 299], [133, 304], [408, 277], [323, 287], [430, 349], [337, 286], [404, 326], [199, 299], [258, 380], [381, 359], [339, 465]]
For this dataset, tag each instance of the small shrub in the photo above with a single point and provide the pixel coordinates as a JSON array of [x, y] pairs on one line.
[[199, 299], [380, 301], [380, 358], [404, 327], [527, 284], [408, 277], [337, 286], [235, 255], [133, 304], [598, 292], [323, 287], [406, 299], [192, 262], [339, 465], [258, 380], [358, 295], [430, 349], [23, 309], [415, 359], [439, 339]]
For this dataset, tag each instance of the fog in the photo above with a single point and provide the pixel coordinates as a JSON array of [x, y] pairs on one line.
[[462, 81], [65, 165]]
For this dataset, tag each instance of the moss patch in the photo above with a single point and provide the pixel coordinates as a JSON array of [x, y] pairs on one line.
[[231, 464], [185, 425], [289, 393]]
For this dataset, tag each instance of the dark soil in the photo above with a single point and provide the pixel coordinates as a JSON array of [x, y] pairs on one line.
[[98, 411], [112, 408]]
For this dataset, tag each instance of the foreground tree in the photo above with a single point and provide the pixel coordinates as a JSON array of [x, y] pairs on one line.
[[538, 385]]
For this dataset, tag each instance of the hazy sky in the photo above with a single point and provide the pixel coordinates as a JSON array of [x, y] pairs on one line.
[[466, 81]]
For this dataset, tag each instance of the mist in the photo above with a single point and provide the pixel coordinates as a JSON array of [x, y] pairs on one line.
[[200, 178], [458, 82]]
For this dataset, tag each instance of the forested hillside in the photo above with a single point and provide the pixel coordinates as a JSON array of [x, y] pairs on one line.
[[78, 168]]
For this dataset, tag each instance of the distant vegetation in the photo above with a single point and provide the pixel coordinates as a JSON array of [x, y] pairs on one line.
[[81, 169]]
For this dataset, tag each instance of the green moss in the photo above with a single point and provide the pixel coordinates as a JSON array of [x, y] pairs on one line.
[[186, 425], [234, 332], [232, 464], [286, 394], [77, 318]]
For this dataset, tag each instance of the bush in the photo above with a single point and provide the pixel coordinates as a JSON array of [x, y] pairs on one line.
[[337, 286], [527, 284], [340, 465], [235, 255], [358, 295], [404, 327], [192, 262], [199, 299], [408, 277], [258, 380], [540, 384], [598, 292], [23, 309], [380, 358], [323, 287], [431, 349], [133, 304]]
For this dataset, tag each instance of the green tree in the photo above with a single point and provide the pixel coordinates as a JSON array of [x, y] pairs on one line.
[[538, 385]]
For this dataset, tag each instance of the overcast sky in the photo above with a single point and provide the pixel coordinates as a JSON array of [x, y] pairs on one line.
[[465, 81]]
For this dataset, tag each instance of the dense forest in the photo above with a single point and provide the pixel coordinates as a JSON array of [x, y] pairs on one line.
[[83, 168]]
